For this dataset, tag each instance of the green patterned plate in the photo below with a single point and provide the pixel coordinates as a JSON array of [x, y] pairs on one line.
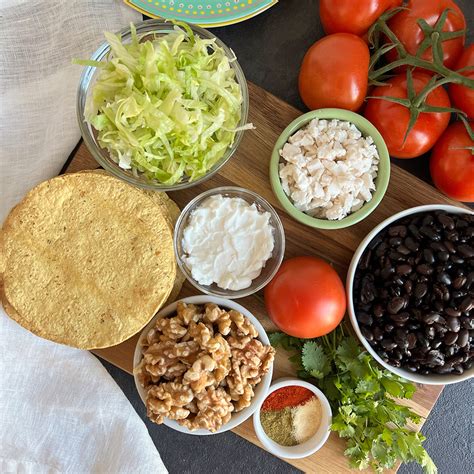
[[207, 13]]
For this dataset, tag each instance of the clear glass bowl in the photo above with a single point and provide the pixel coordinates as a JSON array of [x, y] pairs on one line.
[[272, 264], [89, 134]]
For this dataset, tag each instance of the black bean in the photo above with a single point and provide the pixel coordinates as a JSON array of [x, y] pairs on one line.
[[455, 360], [444, 278], [430, 332], [467, 322], [436, 343], [404, 269], [466, 250], [459, 282], [378, 310], [470, 280], [442, 256], [440, 327], [431, 318], [364, 318], [367, 333], [411, 244], [466, 304], [452, 236], [435, 358], [400, 319], [394, 363], [449, 246], [446, 221], [396, 304], [428, 220], [424, 269], [394, 255], [378, 333], [398, 230], [454, 313], [454, 324], [388, 328], [413, 367], [403, 250], [428, 255], [458, 369], [443, 369], [457, 259], [388, 344], [395, 241], [387, 272], [463, 338], [421, 290], [365, 259], [451, 350], [450, 338], [430, 233], [438, 247], [380, 250]]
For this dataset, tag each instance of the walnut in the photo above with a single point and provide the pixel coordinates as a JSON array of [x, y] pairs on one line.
[[215, 409], [200, 365], [165, 399], [245, 399], [172, 328], [215, 315], [187, 313], [242, 325], [200, 375]]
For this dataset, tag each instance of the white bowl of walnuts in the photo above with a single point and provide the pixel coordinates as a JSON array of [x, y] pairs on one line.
[[203, 365]]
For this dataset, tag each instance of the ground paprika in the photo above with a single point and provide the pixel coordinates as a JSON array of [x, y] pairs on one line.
[[287, 397]]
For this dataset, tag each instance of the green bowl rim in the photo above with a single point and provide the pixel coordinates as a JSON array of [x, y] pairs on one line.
[[382, 179]]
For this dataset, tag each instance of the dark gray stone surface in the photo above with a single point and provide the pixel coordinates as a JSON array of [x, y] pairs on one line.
[[270, 48]]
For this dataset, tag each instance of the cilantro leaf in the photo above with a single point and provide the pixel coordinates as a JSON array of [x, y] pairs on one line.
[[314, 360], [280, 339]]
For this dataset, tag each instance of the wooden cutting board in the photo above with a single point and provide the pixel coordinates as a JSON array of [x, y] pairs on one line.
[[249, 168]]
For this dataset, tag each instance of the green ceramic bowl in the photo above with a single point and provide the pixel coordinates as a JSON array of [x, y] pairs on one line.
[[381, 181]]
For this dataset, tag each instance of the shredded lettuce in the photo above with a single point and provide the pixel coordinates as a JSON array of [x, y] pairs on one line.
[[167, 107]]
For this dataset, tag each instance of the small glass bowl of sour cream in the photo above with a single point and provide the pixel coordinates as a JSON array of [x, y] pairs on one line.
[[229, 242]]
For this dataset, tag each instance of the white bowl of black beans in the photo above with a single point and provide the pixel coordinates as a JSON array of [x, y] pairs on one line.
[[410, 291]]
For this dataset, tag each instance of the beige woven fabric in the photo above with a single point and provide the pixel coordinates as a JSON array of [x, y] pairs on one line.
[[60, 411]]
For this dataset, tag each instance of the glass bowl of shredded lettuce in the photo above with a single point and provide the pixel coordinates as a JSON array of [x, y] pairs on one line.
[[162, 105]]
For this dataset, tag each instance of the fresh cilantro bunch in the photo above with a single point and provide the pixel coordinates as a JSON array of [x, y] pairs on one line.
[[362, 397]]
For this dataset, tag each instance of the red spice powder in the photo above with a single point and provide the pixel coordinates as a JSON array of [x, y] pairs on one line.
[[284, 397]]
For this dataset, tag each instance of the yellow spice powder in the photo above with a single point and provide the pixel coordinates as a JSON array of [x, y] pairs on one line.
[[306, 419]]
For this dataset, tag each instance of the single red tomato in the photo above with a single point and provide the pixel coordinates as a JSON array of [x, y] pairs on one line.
[[452, 163], [352, 16], [334, 72], [462, 97], [392, 119], [404, 25], [306, 298]]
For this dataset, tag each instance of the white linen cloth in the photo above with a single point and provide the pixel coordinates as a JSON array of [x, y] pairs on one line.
[[60, 411]]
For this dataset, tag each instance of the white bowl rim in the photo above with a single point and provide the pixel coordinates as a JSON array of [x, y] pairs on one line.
[[307, 448], [260, 390], [433, 379]]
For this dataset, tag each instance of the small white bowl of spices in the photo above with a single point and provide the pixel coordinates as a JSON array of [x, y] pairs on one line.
[[294, 419]]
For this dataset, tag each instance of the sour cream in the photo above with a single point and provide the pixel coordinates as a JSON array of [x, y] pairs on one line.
[[227, 242]]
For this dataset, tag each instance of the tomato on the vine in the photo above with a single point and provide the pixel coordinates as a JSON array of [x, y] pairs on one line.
[[352, 16], [392, 119], [462, 97], [404, 25], [452, 163], [334, 72], [306, 298]]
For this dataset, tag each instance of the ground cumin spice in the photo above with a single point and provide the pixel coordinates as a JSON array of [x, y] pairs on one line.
[[278, 425], [291, 415]]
